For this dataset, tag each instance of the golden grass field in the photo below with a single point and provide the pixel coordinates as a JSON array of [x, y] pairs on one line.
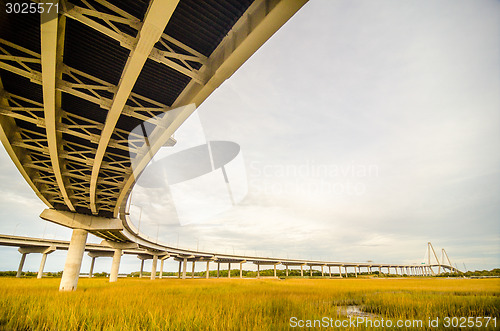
[[246, 304]]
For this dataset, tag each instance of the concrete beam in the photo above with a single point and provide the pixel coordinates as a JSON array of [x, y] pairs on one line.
[[92, 266], [81, 221], [21, 264], [184, 267], [115, 265], [44, 259], [153, 267], [74, 258], [155, 21]]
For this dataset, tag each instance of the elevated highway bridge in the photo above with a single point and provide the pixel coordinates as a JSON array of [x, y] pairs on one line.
[[29, 245], [90, 90]]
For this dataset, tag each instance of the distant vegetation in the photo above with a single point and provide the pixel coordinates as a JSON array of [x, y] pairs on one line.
[[223, 304]]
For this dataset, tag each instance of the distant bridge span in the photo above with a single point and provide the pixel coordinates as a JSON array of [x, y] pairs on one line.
[[75, 84], [29, 245]]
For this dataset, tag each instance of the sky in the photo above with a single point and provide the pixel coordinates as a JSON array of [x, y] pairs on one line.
[[366, 129]]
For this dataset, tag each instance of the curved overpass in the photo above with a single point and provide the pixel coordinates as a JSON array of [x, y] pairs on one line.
[[79, 78]]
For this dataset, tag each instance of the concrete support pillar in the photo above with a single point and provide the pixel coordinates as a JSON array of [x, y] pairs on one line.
[[274, 270], [142, 269], [192, 271], [229, 270], [340, 271], [161, 268], [180, 266], [286, 267], [301, 270], [322, 273], [42, 266], [115, 265], [258, 270], [91, 272], [330, 271], [208, 270], [218, 269], [310, 271], [74, 258], [241, 269], [380, 271], [184, 267], [21, 264], [346, 274], [154, 265], [356, 272]]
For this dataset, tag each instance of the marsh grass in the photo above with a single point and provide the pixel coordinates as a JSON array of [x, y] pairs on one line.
[[221, 304]]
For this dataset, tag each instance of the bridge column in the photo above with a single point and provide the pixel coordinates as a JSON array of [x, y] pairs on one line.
[[322, 272], [258, 270], [74, 258], [340, 271], [192, 271], [92, 266], [21, 264], [355, 272], [330, 271], [154, 264], [179, 273], [184, 267], [208, 270], [380, 270], [310, 271], [275, 270], [44, 259], [286, 272], [346, 274], [241, 269], [228, 270], [115, 265], [161, 268], [142, 268], [301, 270], [218, 269]]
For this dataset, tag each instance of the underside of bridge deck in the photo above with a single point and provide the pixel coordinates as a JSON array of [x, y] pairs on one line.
[[90, 90]]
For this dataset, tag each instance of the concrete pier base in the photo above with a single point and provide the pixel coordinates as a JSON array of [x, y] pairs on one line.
[[91, 272], [44, 259], [21, 264], [184, 267], [115, 265], [153, 267], [74, 258]]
